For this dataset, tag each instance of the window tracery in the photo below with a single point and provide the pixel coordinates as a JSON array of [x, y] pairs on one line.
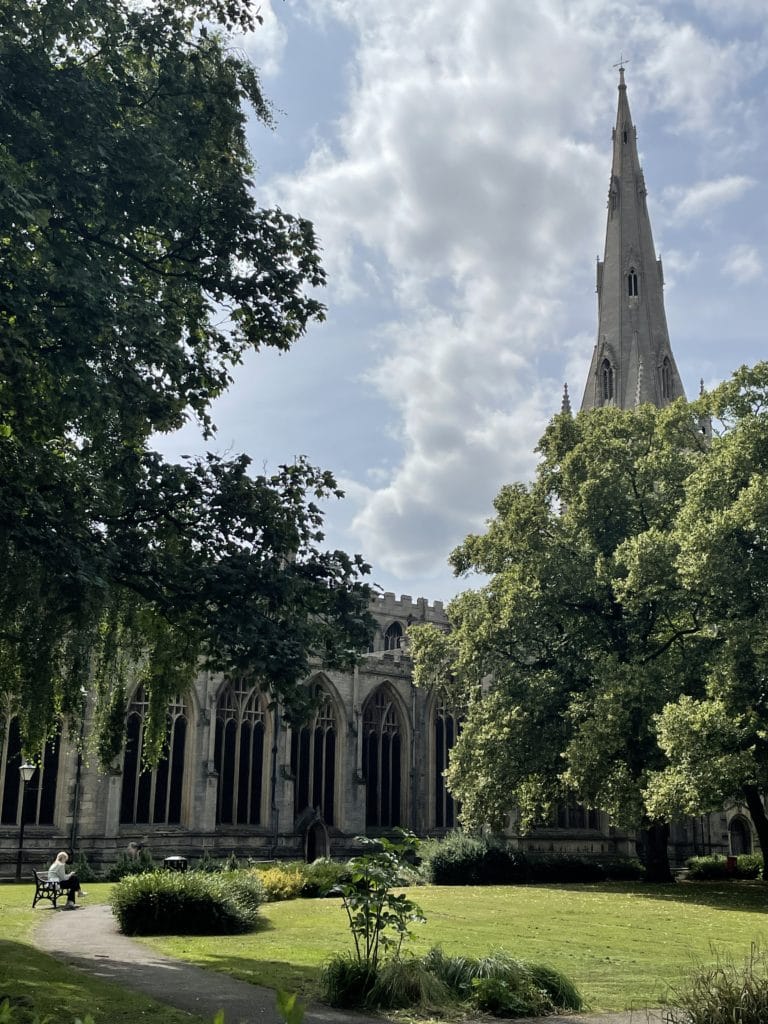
[[153, 795], [239, 753], [382, 757]]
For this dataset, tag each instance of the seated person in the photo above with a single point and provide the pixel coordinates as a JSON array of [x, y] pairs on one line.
[[68, 880]]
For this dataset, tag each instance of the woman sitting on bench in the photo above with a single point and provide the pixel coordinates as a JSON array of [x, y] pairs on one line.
[[68, 880]]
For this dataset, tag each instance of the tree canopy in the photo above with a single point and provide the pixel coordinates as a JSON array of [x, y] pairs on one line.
[[137, 271], [583, 632]]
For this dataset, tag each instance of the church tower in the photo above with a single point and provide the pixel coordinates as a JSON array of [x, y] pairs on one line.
[[632, 362]]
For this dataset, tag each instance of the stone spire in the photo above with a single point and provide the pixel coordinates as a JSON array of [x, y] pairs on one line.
[[565, 408], [632, 361]]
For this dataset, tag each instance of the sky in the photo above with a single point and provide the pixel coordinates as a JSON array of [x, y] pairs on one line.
[[454, 156]]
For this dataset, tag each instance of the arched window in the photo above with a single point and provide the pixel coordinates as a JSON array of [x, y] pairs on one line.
[[313, 760], [632, 283], [153, 796], [447, 726], [393, 636], [666, 380], [606, 380], [39, 792], [239, 753], [382, 756]]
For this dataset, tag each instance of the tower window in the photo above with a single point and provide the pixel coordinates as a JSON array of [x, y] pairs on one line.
[[632, 283], [666, 380], [625, 136], [606, 380], [393, 637]]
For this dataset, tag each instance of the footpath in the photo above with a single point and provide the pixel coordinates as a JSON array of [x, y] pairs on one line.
[[89, 941]]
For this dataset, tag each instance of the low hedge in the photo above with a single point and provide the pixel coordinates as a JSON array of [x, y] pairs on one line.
[[714, 868], [467, 860], [187, 903]]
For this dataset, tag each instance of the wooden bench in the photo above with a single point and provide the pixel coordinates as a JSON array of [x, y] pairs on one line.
[[46, 889]]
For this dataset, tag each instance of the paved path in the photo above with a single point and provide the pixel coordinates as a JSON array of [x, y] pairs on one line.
[[89, 940]]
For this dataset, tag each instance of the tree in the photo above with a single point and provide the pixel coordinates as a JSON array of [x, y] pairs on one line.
[[582, 633], [717, 742], [137, 271]]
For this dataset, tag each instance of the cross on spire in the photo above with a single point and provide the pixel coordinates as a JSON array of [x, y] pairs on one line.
[[621, 62]]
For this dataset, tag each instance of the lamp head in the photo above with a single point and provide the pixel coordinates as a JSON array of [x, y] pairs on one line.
[[27, 770]]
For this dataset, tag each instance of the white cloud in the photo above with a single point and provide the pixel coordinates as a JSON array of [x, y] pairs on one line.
[[266, 45], [472, 161], [703, 198], [743, 264]]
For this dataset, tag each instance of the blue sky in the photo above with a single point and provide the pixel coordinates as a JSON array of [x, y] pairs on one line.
[[454, 157]]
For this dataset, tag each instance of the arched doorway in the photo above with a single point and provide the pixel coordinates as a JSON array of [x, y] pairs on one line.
[[740, 836]]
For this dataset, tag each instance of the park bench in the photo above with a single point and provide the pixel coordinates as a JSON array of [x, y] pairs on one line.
[[46, 889]]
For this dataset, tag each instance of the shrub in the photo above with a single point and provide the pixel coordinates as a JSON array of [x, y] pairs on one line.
[[280, 883], [321, 876], [466, 860], [500, 984], [346, 981], [407, 982], [714, 868], [128, 866], [83, 869], [185, 903], [723, 994]]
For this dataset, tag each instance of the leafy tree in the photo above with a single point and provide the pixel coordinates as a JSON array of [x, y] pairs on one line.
[[137, 270], [717, 741], [583, 631]]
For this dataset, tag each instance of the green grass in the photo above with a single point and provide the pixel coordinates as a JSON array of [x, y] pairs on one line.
[[622, 944], [51, 988]]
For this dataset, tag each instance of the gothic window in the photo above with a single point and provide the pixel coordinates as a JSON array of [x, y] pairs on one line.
[[39, 792], [632, 283], [666, 380], [573, 815], [624, 133], [152, 796], [313, 760], [447, 726], [393, 636], [382, 756], [239, 753], [606, 380]]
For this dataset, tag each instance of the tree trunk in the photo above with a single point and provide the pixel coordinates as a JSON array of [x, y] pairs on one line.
[[654, 852], [757, 813]]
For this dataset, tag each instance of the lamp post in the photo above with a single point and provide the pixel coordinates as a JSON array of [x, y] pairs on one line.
[[26, 770]]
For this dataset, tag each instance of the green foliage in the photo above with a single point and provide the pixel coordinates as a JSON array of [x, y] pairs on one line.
[[17, 1013], [715, 867], [407, 982], [460, 859], [322, 875], [723, 993], [280, 883], [83, 869], [186, 903], [126, 865], [288, 1006], [346, 981], [137, 272], [379, 918]]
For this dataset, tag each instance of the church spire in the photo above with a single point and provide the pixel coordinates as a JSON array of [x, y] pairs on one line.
[[632, 361]]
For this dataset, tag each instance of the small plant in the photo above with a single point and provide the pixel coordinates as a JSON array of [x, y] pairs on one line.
[[347, 981], [724, 993], [280, 883], [83, 869], [231, 863], [379, 918], [131, 866]]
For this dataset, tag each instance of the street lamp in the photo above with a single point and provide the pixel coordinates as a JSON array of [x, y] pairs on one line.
[[26, 770]]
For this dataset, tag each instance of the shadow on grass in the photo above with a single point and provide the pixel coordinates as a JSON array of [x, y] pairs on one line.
[[38, 986], [742, 896]]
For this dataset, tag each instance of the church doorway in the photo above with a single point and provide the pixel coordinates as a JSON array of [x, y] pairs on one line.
[[740, 835], [316, 842]]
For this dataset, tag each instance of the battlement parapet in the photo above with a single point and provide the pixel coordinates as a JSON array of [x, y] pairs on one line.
[[420, 610]]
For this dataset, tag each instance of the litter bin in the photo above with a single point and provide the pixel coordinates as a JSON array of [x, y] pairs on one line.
[[175, 863], [730, 864]]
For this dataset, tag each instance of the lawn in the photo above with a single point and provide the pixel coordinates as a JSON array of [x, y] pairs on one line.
[[623, 944], [51, 989]]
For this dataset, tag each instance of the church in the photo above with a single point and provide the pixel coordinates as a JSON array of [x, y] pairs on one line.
[[236, 779]]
